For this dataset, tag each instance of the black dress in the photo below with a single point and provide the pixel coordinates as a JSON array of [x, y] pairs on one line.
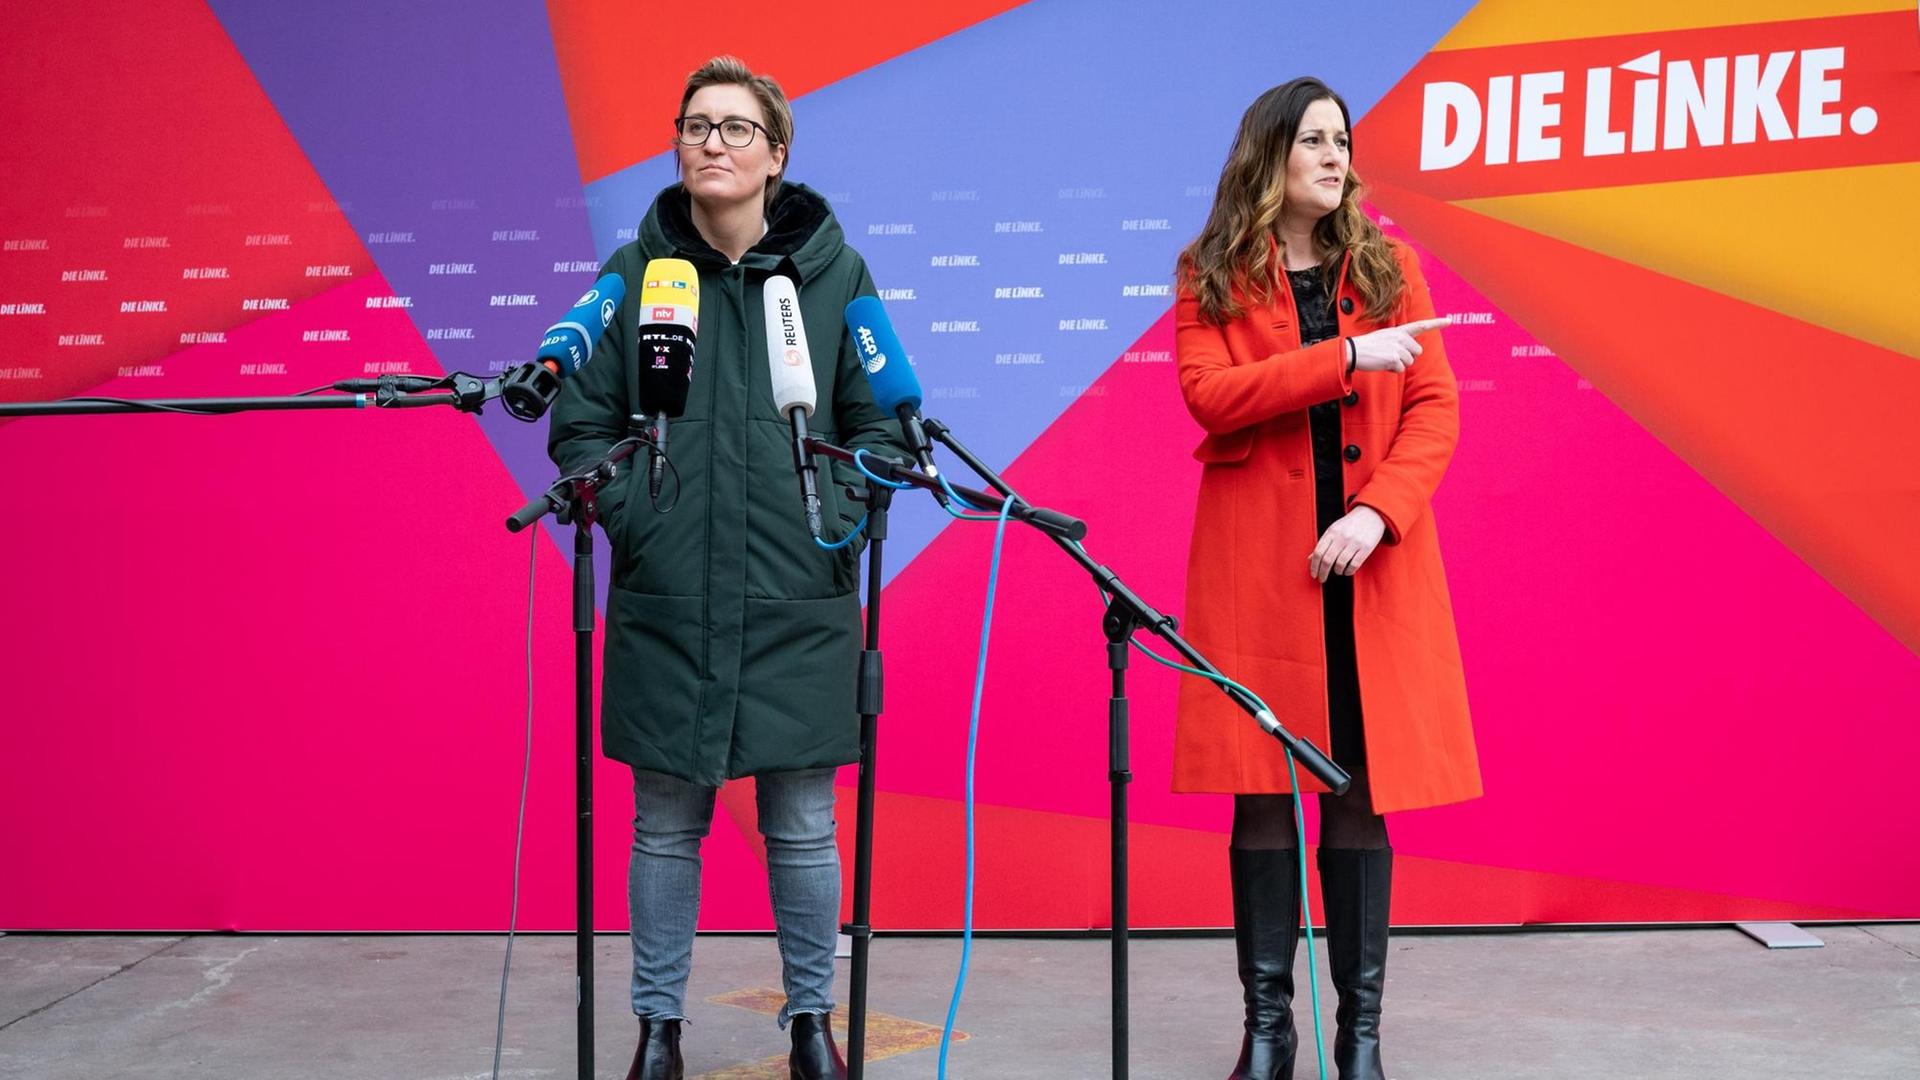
[[1318, 323]]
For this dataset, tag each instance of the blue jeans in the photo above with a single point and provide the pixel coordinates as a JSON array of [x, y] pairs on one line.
[[670, 818]]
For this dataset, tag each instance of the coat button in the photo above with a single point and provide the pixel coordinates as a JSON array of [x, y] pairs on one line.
[[1352, 398], [1352, 452], [1346, 305]]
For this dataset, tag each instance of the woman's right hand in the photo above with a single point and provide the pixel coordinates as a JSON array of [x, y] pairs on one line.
[[1392, 348]]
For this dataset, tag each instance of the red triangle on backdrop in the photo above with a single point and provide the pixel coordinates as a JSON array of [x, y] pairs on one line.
[[124, 167], [619, 60]]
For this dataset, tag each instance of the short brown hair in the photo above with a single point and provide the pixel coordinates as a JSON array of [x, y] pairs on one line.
[[730, 70]]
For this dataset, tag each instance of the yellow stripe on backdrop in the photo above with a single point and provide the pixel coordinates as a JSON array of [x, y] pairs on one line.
[[1514, 22], [1853, 274]]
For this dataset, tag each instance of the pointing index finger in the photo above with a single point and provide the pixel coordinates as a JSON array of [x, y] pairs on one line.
[[1421, 326]]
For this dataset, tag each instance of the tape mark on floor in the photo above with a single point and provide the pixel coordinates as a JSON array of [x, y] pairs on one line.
[[887, 1036]]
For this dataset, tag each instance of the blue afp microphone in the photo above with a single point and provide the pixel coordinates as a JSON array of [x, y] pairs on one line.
[[528, 391], [895, 388]]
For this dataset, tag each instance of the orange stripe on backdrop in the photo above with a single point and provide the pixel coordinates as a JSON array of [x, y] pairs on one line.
[[622, 64], [1509, 22], [1724, 234], [1516, 119], [1808, 431]]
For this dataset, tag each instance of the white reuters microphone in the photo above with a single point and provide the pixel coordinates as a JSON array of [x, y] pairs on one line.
[[790, 367], [788, 361]]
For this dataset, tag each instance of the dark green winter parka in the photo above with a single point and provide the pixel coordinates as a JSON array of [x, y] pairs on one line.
[[732, 638]]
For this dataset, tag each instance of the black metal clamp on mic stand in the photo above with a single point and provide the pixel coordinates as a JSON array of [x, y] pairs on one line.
[[1125, 613], [575, 500]]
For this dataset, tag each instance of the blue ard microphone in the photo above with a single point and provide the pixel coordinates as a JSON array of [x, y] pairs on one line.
[[895, 387], [528, 391]]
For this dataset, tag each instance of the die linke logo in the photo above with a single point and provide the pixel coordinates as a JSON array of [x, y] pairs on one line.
[[1672, 104], [1649, 107]]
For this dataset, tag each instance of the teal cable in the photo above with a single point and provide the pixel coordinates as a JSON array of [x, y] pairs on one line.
[[1300, 842]]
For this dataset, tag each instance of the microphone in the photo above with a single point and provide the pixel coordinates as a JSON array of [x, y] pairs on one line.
[[669, 324], [791, 367], [528, 390], [895, 387]]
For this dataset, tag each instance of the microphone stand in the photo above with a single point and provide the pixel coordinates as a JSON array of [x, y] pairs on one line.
[[575, 500], [458, 389], [572, 498], [1125, 613], [868, 695]]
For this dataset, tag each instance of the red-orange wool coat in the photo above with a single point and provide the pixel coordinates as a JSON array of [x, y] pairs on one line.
[[1252, 606]]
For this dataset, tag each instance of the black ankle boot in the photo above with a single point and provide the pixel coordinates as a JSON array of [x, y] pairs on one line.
[[1266, 930], [1355, 886], [658, 1055], [815, 1057]]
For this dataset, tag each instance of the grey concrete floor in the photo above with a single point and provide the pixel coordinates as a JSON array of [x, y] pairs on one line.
[[1643, 1004]]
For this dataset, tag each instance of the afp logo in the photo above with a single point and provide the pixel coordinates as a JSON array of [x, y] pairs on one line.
[[875, 359]]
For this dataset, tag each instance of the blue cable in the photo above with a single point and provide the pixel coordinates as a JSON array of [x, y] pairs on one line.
[[973, 741], [947, 486], [862, 523], [845, 540], [875, 477], [944, 483], [973, 745]]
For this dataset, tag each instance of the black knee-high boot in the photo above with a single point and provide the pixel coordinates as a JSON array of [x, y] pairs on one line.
[[1355, 886], [1266, 930]]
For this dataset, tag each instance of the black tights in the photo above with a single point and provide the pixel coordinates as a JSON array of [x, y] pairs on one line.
[[1266, 823]]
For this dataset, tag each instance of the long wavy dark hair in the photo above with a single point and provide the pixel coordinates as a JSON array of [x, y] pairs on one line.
[[1234, 259]]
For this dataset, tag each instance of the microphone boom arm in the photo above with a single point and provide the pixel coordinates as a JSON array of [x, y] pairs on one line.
[[1052, 522], [1164, 627]]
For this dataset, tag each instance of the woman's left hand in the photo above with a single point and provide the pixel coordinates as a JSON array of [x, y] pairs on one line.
[[1346, 544]]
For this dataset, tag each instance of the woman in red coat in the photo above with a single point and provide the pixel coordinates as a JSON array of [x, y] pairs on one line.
[[1308, 352]]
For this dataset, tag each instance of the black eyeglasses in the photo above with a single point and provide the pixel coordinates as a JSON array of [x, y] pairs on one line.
[[735, 131]]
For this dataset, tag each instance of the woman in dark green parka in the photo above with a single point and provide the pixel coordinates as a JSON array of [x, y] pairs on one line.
[[732, 638]]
